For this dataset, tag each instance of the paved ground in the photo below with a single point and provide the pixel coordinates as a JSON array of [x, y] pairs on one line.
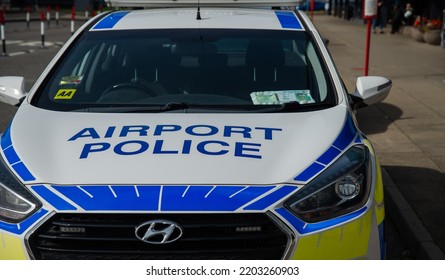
[[407, 129]]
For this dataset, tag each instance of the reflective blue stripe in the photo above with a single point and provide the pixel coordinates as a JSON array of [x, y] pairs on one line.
[[53, 199], [169, 198], [13, 158], [303, 227], [309, 172], [23, 172], [110, 20], [23, 226], [288, 20], [271, 199], [347, 134], [6, 139], [329, 156], [208, 198], [11, 155], [123, 198]]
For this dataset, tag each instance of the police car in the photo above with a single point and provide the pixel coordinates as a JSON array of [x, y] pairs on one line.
[[218, 130]]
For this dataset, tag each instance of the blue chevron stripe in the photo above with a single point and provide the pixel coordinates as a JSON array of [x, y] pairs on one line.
[[347, 135], [304, 228], [166, 198], [23, 226], [13, 159]]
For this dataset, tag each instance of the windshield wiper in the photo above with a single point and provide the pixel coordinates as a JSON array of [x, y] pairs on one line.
[[175, 106], [280, 107], [171, 106], [128, 108], [294, 106], [168, 107]]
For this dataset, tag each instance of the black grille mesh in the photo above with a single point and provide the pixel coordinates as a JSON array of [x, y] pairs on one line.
[[112, 236]]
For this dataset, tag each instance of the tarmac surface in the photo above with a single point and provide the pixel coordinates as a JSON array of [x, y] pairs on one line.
[[407, 129]]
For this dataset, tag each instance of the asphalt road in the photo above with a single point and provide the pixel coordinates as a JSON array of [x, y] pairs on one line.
[[27, 58]]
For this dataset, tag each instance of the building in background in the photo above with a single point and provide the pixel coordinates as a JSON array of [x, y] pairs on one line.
[[430, 9], [79, 5]]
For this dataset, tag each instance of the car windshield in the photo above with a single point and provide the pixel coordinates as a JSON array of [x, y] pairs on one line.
[[189, 70]]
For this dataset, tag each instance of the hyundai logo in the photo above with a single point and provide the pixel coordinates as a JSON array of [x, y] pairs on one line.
[[158, 232]]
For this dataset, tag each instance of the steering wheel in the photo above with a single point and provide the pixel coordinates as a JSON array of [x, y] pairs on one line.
[[126, 92]]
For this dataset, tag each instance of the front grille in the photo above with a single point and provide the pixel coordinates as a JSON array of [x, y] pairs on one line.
[[112, 236]]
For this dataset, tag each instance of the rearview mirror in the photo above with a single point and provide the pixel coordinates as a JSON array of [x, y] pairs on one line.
[[370, 90], [12, 90]]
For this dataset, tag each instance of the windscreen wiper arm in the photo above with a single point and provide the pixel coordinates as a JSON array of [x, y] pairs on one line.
[[294, 106], [126, 108]]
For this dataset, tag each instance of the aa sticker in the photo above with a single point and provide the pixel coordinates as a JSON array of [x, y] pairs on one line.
[[65, 94]]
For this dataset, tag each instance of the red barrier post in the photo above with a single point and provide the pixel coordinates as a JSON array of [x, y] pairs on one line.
[[368, 43], [42, 27], [73, 15], [312, 7], [369, 12]]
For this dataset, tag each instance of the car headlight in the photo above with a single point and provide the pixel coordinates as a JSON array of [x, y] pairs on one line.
[[340, 189], [16, 203]]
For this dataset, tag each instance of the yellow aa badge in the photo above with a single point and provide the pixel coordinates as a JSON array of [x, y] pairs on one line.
[[65, 94]]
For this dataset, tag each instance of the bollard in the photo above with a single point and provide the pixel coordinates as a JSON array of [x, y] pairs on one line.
[[311, 8], [48, 14], [2, 32], [87, 13], [28, 16], [73, 14], [42, 27], [57, 15], [442, 34]]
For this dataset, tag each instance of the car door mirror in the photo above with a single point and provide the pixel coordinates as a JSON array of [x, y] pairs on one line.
[[370, 90], [12, 90]]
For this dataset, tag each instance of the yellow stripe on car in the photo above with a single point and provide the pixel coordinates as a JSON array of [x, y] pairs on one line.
[[379, 192], [379, 196], [11, 248], [349, 241]]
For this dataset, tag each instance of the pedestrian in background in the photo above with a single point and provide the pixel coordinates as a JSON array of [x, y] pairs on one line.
[[399, 15], [380, 19], [409, 15], [402, 16]]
